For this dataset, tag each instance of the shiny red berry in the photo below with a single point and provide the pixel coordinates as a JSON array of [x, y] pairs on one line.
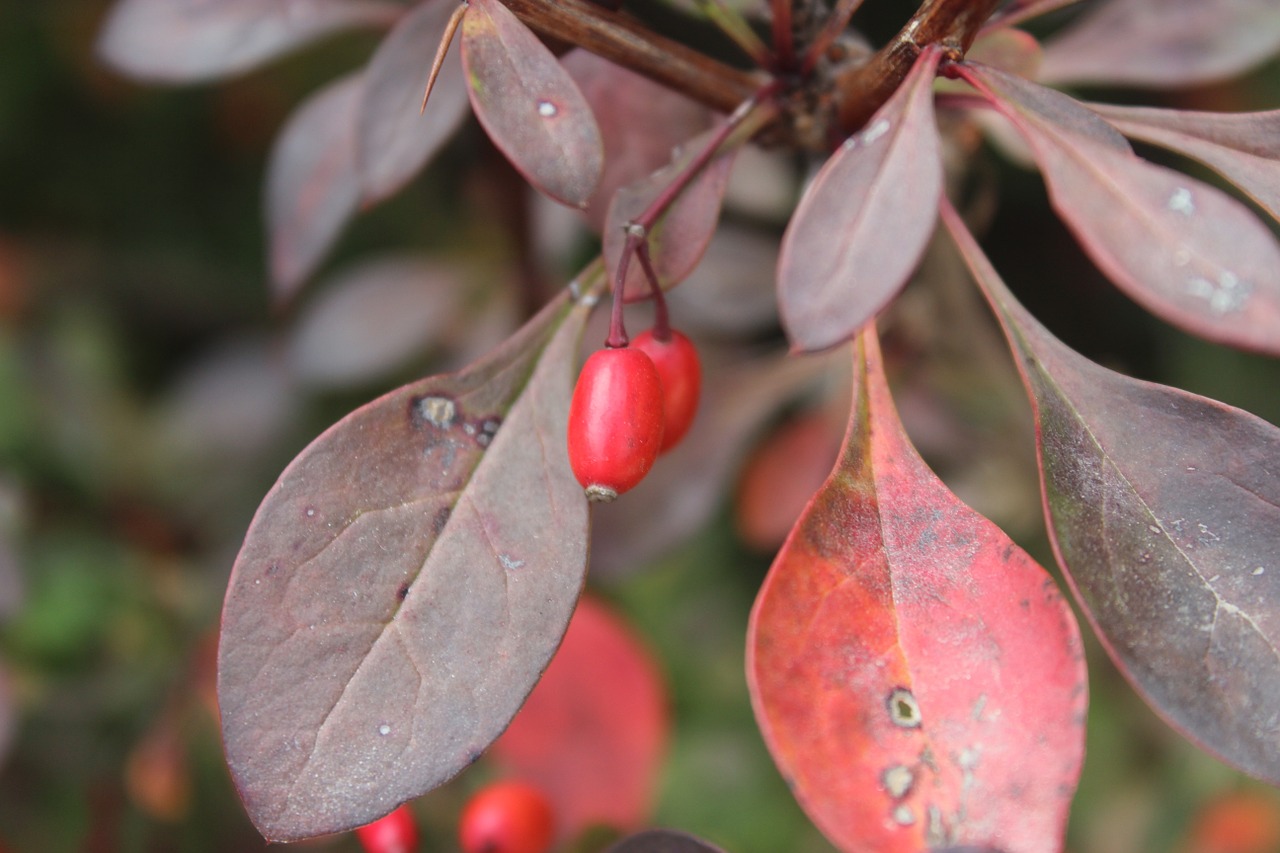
[[507, 817], [394, 833], [681, 373], [615, 421]]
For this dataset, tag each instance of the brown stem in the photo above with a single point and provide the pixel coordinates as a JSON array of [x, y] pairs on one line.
[[953, 24], [624, 41]]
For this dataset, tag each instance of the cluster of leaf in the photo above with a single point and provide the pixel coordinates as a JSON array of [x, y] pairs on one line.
[[918, 677]]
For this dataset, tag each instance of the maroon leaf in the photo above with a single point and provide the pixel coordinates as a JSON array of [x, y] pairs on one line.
[[623, 101], [592, 734], [834, 273], [662, 841], [917, 677], [1163, 509], [395, 137], [681, 234], [1185, 250], [1242, 147], [374, 318], [312, 185], [1163, 43], [192, 40], [529, 105], [402, 587]]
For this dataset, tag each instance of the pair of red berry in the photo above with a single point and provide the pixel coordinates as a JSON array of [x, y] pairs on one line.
[[506, 817], [630, 404]]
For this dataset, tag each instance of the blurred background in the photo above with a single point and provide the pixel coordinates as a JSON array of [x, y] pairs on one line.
[[151, 392]]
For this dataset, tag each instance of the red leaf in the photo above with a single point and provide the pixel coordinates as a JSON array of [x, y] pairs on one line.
[[395, 137], [662, 841], [681, 235], [402, 587], [1163, 509], [593, 732], [834, 273], [182, 41], [917, 677], [529, 105], [623, 101], [1242, 147], [1163, 43], [1185, 250], [312, 185], [374, 318]]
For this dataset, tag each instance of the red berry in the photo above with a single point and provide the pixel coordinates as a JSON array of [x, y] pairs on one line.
[[615, 422], [681, 375], [394, 833], [507, 817]]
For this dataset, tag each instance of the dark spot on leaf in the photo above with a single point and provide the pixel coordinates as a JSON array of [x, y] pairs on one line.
[[272, 569], [474, 756], [903, 709], [402, 592], [441, 519], [1025, 604]]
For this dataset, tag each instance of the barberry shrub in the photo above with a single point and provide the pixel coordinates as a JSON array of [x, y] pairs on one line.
[[918, 678]]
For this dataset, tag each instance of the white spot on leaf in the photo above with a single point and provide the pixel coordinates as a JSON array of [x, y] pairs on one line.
[[546, 109], [1182, 202]]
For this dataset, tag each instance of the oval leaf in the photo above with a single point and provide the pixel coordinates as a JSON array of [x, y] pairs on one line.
[[373, 319], [1242, 147], [681, 235], [402, 587], [834, 273], [593, 732], [183, 41], [1185, 250], [312, 185], [1163, 43], [1163, 509], [529, 105], [917, 677], [395, 137], [662, 841], [622, 101]]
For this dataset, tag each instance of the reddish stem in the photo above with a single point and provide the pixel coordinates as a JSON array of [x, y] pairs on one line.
[[638, 228], [784, 50]]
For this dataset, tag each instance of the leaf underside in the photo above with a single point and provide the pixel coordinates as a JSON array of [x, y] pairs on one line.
[[395, 137], [682, 233], [917, 677], [529, 105], [834, 272], [1242, 147], [1163, 508], [313, 188], [1186, 251], [181, 41], [1163, 43], [397, 595]]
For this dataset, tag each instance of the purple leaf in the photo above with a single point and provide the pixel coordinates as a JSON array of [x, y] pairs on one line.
[[529, 105], [1163, 509], [1022, 10], [622, 100], [374, 318], [402, 587], [183, 41], [680, 236], [312, 185], [834, 273], [1242, 147], [395, 138], [1163, 43], [1185, 250]]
